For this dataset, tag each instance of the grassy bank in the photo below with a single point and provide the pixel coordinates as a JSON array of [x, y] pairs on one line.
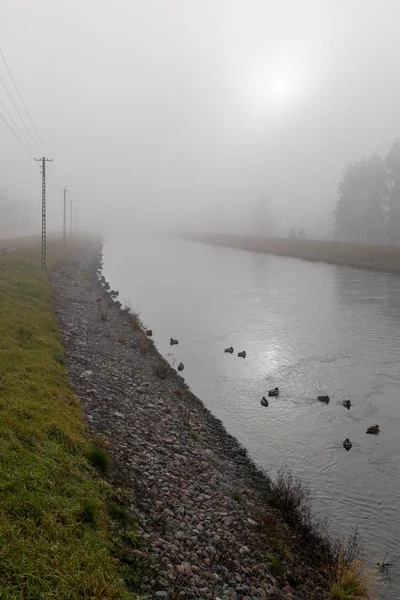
[[374, 258], [57, 535]]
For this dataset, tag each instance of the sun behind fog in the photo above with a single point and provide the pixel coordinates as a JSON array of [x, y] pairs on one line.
[[279, 86]]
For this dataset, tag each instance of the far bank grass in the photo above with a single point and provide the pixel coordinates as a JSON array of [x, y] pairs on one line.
[[57, 539], [362, 256]]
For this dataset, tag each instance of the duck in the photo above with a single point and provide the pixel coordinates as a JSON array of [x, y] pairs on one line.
[[346, 404], [149, 332], [173, 342], [229, 350], [347, 444], [242, 354], [373, 429], [181, 366], [264, 401], [323, 399], [274, 392]]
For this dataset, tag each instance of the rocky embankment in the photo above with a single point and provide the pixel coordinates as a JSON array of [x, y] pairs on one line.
[[201, 502]]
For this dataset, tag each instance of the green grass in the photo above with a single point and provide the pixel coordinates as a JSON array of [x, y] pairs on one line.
[[57, 537]]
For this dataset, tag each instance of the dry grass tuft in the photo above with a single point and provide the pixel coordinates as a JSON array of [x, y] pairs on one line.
[[162, 369], [143, 345], [136, 322], [352, 581], [178, 392]]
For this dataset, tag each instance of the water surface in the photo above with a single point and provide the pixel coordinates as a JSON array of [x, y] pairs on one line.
[[308, 328]]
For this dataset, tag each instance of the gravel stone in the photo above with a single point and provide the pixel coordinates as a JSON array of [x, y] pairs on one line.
[[204, 544]]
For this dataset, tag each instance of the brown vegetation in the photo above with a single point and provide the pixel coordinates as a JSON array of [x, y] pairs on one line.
[[362, 256]]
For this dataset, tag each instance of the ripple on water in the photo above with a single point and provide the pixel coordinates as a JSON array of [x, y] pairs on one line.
[[308, 328]]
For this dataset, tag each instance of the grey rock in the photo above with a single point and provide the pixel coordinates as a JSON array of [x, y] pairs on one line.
[[182, 486]]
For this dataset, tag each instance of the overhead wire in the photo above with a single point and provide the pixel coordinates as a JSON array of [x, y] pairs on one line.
[[26, 110], [16, 126], [26, 148], [16, 107], [23, 104]]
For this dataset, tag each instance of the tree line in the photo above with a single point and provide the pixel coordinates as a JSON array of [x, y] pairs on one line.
[[368, 208]]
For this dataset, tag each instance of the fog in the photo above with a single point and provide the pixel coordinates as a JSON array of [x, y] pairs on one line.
[[184, 114]]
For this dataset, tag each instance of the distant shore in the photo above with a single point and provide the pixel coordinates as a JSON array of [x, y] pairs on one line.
[[361, 256]]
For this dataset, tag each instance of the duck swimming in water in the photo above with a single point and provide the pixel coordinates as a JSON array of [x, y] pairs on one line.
[[180, 367], [242, 354], [173, 342], [229, 350], [264, 401], [373, 429], [347, 444], [323, 399], [274, 392]]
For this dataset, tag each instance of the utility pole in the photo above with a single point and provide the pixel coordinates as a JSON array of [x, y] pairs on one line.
[[65, 214], [43, 160], [70, 217], [75, 218]]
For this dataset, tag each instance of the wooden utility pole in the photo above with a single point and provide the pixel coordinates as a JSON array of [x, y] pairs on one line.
[[65, 214], [43, 160], [70, 217]]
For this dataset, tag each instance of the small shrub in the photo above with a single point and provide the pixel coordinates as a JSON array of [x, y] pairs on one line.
[[127, 306], [135, 321], [103, 315], [237, 496], [100, 460], [162, 369], [143, 345], [292, 498], [185, 415], [89, 513], [351, 581], [122, 339], [178, 392], [194, 435], [122, 514], [276, 565]]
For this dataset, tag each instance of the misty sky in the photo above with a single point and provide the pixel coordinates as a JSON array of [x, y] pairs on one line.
[[182, 112]]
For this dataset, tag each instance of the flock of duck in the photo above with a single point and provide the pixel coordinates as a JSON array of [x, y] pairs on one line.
[[173, 342], [274, 392], [374, 429]]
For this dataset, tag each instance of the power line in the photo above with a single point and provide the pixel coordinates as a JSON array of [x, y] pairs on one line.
[[16, 108], [16, 136], [16, 126], [64, 190], [23, 103]]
